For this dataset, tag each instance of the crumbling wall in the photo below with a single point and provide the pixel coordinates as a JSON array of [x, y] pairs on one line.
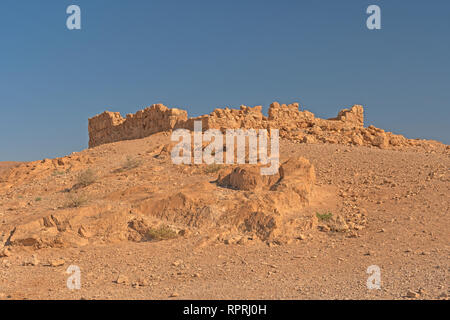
[[244, 117], [294, 124], [111, 127]]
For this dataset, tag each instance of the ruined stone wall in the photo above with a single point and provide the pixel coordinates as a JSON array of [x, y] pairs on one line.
[[294, 124], [111, 127], [245, 117]]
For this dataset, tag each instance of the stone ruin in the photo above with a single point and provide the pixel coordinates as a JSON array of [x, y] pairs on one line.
[[302, 126]]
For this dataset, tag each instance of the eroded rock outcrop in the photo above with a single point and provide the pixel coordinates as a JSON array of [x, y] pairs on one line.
[[241, 202], [264, 206]]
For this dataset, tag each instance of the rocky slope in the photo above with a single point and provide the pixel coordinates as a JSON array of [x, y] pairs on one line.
[[140, 226]]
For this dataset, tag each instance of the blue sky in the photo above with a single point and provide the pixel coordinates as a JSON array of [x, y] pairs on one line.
[[199, 55]]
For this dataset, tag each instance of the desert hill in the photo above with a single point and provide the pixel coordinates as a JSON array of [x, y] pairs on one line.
[[346, 197], [6, 165]]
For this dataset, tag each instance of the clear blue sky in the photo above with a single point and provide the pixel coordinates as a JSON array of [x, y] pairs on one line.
[[200, 55]]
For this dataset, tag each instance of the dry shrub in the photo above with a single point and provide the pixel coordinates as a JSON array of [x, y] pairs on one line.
[[130, 163], [75, 200], [212, 168], [162, 233], [85, 178]]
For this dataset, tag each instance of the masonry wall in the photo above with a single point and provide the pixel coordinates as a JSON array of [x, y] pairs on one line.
[[111, 126]]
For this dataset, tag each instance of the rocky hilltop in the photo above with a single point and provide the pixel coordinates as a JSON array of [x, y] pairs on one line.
[[294, 124], [345, 197]]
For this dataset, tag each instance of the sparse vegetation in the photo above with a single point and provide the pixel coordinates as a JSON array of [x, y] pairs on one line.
[[130, 163], [164, 232], [75, 200], [324, 216], [85, 178], [212, 168], [57, 173], [38, 199]]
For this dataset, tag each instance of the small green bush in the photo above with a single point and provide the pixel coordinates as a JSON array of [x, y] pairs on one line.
[[162, 233], [324, 216]]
